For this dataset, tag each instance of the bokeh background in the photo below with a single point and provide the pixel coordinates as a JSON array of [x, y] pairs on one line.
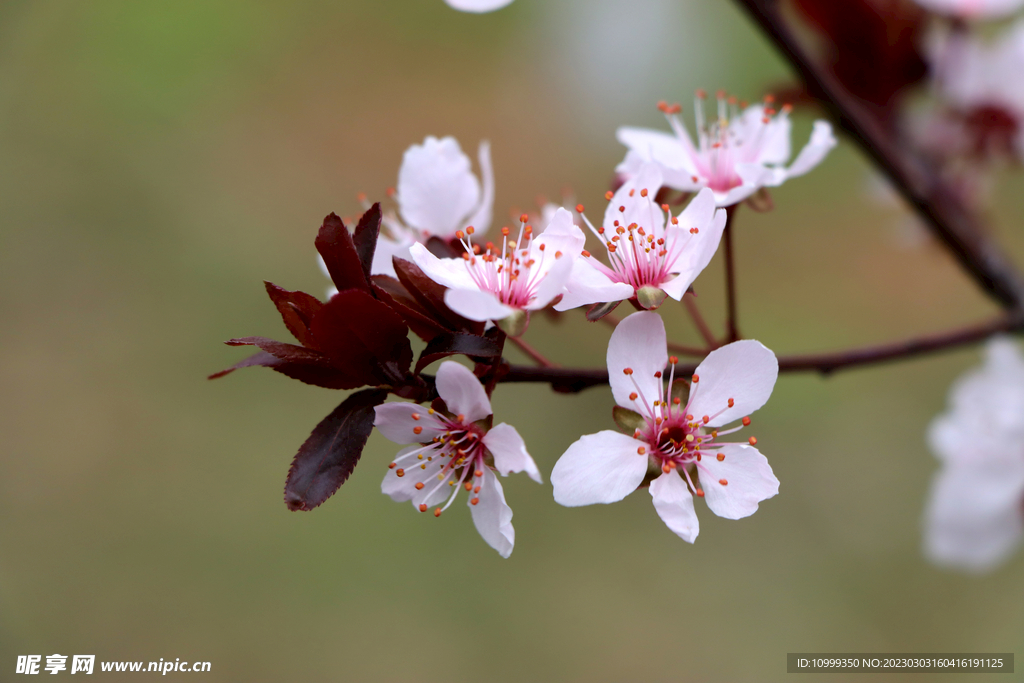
[[158, 160]]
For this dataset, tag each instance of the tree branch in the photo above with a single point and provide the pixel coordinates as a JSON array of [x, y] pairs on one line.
[[731, 326], [948, 219]]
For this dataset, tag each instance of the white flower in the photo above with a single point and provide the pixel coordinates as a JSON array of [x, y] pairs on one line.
[[975, 514], [477, 6], [651, 253], [454, 451], [736, 154], [682, 442], [978, 9], [503, 283]]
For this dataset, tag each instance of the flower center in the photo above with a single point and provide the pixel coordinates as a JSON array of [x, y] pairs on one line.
[[511, 273]]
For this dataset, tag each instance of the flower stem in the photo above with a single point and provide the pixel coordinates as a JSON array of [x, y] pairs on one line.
[[690, 301], [532, 353]]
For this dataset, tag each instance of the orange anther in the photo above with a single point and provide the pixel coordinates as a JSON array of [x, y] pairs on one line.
[[641, 450], [698, 457], [746, 422], [523, 218], [469, 486], [622, 209], [633, 396], [470, 230], [460, 418], [390, 192], [769, 98], [701, 94], [415, 416], [459, 234], [631, 192], [663, 106], [721, 457], [437, 512], [677, 400], [705, 419], [474, 501], [627, 371], [673, 359], [723, 482], [700, 493], [643, 192], [417, 429], [419, 486], [392, 465], [504, 231], [476, 489], [731, 403], [585, 253], [558, 254], [423, 507], [753, 441], [608, 195], [400, 472], [479, 473], [696, 378]]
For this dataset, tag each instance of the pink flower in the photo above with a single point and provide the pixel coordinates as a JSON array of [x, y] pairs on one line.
[[978, 9], [454, 451], [975, 513], [651, 254], [503, 284], [477, 6], [681, 443], [736, 154]]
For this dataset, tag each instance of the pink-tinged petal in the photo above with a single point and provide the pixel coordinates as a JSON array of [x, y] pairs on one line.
[[974, 520], [396, 422], [699, 251], [481, 218], [642, 211], [677, 178], [477, 6], [744, 371], [383, 256], [436, 189], [598, 468], [492, 517], [814, 152], [748, 480], [654, 146], [587, 285], [699, 212], [740, 192], [973, 9], [509, 451], [450, 272], [775, 140], [462, 392], [553, 282], [638, 343], [401, 489], [477, 305], [562, 234], [674, 504]]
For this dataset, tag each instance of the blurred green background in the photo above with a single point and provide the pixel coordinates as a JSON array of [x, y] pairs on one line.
[[158, 160]]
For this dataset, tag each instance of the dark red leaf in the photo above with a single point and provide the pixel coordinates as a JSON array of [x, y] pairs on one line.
[[364, 336], [339, 252], [297, 310], [260, 359], [471, 345], [305, 365], [331, 452], [431, 297], [390, 291], [442, 249], [282, 350], [365, 237]]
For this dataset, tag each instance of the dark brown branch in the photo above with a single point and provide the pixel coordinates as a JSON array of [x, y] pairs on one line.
[[578, 379], [948, 219]]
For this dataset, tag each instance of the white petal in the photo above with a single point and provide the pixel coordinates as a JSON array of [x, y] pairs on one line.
[[395, 422], [674, 504], [699, 212], [587, 285], [640, 210], [749, 480], [450, 272], [700, 249], [509, 451], [775, 147], [638, 343], [478, 6], [553, 283], [436, 189], [403, 488], [491, 516], [462, 392], [744, 371], [657, 147], [980, 9], [598, 468], [384, 254], [477, 305], [481, 218], [821, 143], [974, 518]]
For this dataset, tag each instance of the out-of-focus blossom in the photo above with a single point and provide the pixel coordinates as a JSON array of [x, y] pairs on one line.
[[975, 513], [454, 450], [503, 284], [973, 9], [651, 254], [680, 443], [478, 6], [737, 153], [983, 86]]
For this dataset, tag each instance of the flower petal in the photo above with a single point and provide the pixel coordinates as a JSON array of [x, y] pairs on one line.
[[588, 285], [636, 209], [674, 504], [814, 152], [973, 520], [481, 218], [403, 488], [552, 283], [655, 146], [744, 371], [383, 255], [436, 189], [462, 392], [492, 517], [477, 304], [700, 248], [509, 451], [598, 468], [638, 343], [395, 421], [450, 272], [748, 476]]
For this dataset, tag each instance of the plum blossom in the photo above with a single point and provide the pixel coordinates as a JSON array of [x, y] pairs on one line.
[[504, 284], [681, 443], [651, 254], [975, 513], [455, 450], [736, 154], [477, 6], [973, 9]]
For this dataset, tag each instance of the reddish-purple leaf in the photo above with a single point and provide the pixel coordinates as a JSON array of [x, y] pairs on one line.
[[307, 365], [471, 345], [339, 252], [364, 336], [430, 295], [390, 291], [331, 452], [282, 350], [365, 237], [260, 359], [442, 249], [297, 310]]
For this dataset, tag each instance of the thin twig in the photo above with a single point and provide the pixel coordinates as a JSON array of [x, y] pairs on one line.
[[577, 379], [687, 350], [532, 353], [731, 326], [690, 301], [956, 226]]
